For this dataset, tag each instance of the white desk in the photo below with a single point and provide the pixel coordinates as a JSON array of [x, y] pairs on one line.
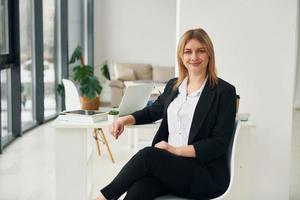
[[74, 147]]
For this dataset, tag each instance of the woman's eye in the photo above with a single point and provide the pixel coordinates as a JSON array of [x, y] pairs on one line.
[[187, 52]]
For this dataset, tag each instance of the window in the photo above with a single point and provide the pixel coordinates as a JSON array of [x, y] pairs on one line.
[[4, 40], [27, 63], [49, 59], [6, 129]]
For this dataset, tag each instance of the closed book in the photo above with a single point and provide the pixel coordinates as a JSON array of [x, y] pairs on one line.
[[84, 116]]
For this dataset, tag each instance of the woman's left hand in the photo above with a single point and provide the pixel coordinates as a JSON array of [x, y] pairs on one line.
[[166, 146]]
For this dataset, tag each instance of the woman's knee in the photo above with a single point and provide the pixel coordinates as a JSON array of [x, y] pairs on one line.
[[146, 151], [152, 155]]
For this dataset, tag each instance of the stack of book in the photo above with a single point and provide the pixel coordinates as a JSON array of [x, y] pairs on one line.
[[83, 116]]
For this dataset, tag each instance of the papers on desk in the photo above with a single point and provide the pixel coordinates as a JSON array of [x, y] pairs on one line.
[[83, 116]]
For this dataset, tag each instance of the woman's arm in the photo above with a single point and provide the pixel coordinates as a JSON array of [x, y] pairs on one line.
[[144, 116], [117, 127], [217, 143], [154, 112], [127, 120], [185, 151]]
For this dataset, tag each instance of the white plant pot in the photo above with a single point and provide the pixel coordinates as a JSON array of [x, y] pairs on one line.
[[112, 118]]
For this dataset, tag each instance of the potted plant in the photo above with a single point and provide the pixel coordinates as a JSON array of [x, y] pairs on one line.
[[89, 86], [113, 115]]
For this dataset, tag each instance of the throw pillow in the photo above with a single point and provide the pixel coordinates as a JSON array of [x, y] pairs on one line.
[[125, 74]]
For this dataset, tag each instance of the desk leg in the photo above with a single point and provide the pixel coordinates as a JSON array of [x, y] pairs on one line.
[[95, 135], [73, 163], [106, 144]]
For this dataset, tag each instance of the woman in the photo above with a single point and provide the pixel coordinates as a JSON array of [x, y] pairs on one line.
[[188, 153]]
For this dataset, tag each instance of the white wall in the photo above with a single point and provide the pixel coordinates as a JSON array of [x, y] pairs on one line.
[[138, 31], [255, 43]]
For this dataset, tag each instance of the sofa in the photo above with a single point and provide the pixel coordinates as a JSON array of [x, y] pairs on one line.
[[133, 72]]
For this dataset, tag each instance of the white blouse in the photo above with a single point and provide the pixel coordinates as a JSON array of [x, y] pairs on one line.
[[180, 114]]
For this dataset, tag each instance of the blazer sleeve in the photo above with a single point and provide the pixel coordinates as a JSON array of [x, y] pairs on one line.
[[217, 144], [154, 112]]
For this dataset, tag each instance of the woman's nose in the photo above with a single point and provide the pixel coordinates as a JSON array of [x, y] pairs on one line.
[[194, 56]]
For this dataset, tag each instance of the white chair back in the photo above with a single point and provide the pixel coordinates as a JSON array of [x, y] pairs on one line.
[[230, 158], [72, 100]]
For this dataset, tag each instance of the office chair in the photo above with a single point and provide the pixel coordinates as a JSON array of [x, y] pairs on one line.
[[230, 158], [72, 101]]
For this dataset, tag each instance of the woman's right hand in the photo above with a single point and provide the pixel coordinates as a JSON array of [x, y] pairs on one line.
[[116, 128]]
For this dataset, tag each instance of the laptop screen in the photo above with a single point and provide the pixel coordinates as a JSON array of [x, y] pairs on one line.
[[135, 98]]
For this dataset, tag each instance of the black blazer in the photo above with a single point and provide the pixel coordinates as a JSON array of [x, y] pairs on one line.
[[211, 129]]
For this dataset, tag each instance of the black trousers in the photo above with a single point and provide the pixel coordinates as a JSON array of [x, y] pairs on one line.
[[153, 172]]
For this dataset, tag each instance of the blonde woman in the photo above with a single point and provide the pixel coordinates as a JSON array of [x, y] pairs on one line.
[[188, 154]]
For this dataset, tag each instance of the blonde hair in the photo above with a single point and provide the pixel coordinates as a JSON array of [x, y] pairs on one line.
[[200, 35]]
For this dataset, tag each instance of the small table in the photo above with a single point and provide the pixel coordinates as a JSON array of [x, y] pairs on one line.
[[74, 147]]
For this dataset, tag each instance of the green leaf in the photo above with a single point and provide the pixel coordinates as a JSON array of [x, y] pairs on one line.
[[113, 112], [60, 89], [105, 71], [90, 87], [75, 55]]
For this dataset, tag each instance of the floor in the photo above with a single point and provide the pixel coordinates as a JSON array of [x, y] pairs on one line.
[[27, 165], [295, 158]]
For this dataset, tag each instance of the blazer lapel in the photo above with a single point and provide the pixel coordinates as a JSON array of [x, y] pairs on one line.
[[201, 110], [170, 98], [162, 133]]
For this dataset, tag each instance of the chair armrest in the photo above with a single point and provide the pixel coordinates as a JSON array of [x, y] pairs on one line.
[[116, 83]]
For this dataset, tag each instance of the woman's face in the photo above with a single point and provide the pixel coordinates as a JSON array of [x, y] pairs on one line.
[[195, 57]]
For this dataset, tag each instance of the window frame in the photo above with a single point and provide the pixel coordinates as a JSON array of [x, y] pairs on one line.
[[6, 59], [11, 61], [6, 22]]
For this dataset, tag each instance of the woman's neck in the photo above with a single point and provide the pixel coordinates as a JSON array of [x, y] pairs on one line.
[[196, 80]]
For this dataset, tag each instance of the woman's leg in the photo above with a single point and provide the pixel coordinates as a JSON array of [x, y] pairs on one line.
[[174, 172], [145, 189]]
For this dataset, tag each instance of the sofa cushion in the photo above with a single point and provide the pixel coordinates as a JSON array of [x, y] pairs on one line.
[[163, 73], [124, 74], [141, 71], [116, 83]]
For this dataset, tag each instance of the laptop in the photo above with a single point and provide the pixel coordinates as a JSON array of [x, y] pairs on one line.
[[135, 98]]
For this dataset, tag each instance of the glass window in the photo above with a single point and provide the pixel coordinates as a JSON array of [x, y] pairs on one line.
[[49, 48], [6, 133], [4, 40], [27, 65]]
